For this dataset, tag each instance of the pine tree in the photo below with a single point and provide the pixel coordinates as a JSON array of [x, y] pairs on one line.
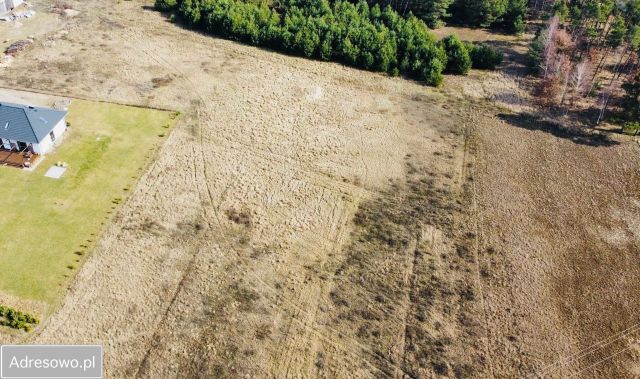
[[458, 60], [513, 19], [433, 12], [481, 13]]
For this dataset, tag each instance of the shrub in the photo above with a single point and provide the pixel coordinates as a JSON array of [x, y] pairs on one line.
[[15, 319], [534, 55], [458, 60], [518, 25], [631, 127], [484, 57], [165, 5]]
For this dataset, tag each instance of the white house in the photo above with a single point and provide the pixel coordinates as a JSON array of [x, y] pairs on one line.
[[24, 127], [7, 5]]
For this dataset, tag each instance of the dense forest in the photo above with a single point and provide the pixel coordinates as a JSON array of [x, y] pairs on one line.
[[359, 35], [586, 56], [506, 14]]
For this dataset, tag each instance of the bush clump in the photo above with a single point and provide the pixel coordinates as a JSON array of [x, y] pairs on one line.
[[15, 319], [165, 5], [484, 57], [358, 35], [458, 60]]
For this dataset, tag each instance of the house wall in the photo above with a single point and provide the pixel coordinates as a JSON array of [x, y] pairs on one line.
[[13, 3], [43, 147], [47, 144], [7, 5]]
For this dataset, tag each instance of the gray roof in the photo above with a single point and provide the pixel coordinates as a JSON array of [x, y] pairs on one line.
[[26, 123]]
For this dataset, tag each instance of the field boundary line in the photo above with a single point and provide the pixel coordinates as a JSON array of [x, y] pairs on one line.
[[86, 98], [470, 158]]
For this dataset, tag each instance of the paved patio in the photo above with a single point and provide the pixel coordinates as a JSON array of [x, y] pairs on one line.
[[55, 172]]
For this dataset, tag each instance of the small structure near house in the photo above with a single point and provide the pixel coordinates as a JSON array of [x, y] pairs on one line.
[[27, 128], [55, 172], [8, 5]]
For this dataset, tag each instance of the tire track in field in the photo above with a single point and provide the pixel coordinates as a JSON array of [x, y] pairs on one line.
[[468, 166], [207, 119]]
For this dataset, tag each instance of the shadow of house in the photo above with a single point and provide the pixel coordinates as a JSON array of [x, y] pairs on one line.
[[575, 135]]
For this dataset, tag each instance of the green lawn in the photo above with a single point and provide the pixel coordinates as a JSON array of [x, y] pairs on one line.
[[48, 226]]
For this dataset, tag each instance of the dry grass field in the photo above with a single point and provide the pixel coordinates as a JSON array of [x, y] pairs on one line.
[[310, 220]]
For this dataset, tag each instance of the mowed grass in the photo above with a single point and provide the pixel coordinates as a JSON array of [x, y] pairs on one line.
[[48, 226]]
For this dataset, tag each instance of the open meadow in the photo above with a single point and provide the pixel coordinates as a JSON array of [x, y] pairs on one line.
[[306, 219]]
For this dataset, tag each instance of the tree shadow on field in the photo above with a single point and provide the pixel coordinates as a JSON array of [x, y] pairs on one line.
[[515, 59], [578, 136]]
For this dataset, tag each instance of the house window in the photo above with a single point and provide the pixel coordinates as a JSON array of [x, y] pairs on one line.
[[53, 137]]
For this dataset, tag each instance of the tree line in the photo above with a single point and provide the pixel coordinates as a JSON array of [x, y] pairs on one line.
[[587, 52], [507, 14], [358, 35]]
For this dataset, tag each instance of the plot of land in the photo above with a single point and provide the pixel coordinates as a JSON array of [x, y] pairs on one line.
[[48, 226], [309, 220]]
